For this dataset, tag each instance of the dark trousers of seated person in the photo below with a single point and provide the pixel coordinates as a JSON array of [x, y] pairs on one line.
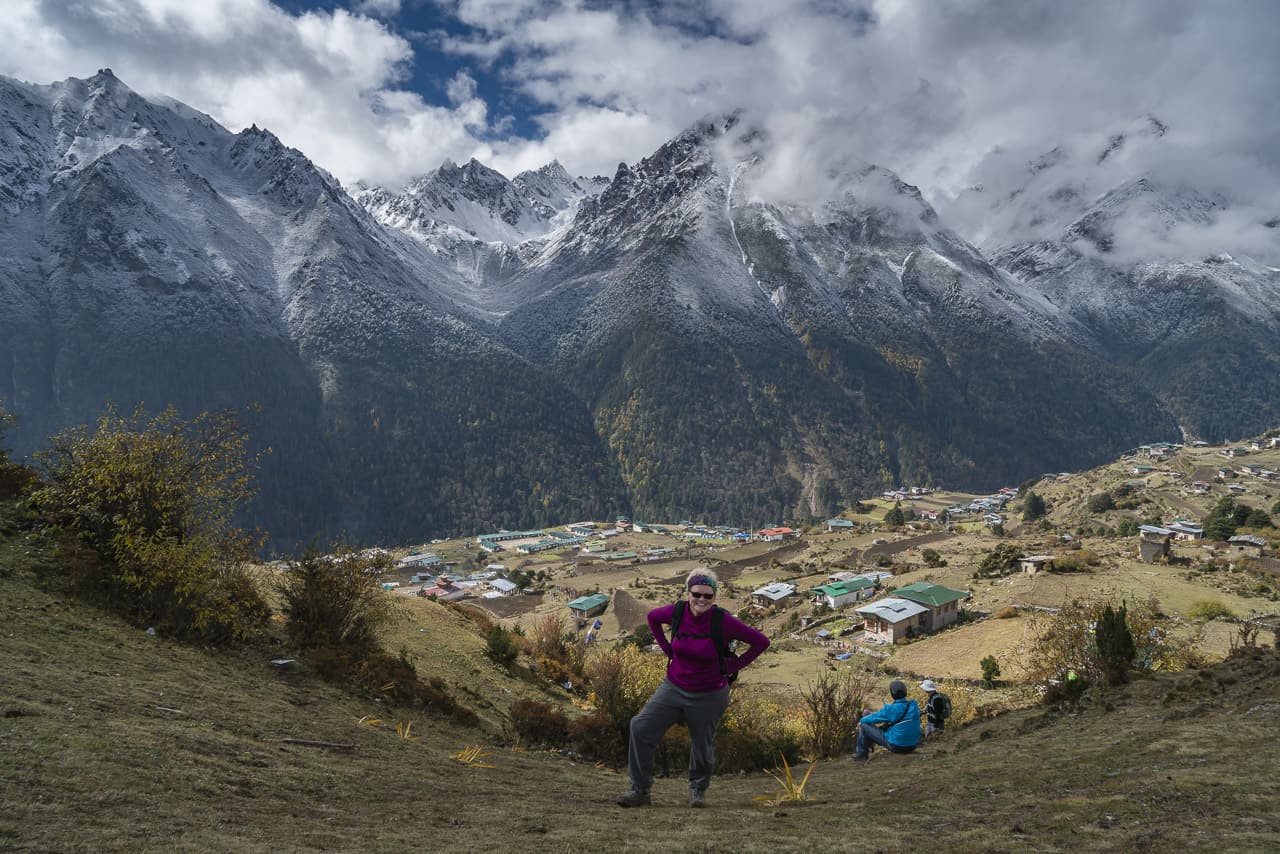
[[869, 734]]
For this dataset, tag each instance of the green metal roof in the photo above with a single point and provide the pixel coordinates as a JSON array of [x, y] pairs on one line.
[[586, 603], [842, 588], [933, 595]]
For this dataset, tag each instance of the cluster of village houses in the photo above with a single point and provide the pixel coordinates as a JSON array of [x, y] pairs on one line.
[[915, 609]]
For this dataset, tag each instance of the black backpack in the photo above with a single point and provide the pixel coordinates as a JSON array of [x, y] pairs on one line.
[[717, 634]]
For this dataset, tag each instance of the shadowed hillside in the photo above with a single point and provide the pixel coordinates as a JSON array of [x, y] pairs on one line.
[[115, 740]]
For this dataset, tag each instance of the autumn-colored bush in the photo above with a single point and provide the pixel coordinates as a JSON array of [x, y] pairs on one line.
[[596, 737], [1066, 642], [755, 730], [155, 499], [622, 678], [390, 679], [539, 724], [830, 708], [1007, 613], [1209, 609]]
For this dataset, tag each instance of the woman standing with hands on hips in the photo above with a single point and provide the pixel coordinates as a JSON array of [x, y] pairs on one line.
[[696, 689]]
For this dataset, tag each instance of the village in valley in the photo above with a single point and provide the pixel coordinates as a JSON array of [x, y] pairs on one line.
[[903, 582]]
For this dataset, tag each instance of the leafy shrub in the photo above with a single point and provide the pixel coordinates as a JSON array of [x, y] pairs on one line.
[[1033, 507], [15, 479], [1067, 641], [1102, 502], [154, 499], [830, 709], [932, 558], [555, 671], [990, 671], [333, 601], [500, 646], [622, 678], [548, 638], [1077, 562], [389, 678], [755, 730], [597, 737], [539, 723], [1209, 609], [1007, 612], [1001, 560]]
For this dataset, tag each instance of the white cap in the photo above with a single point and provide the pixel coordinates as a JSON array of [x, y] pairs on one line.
[[928, 685]]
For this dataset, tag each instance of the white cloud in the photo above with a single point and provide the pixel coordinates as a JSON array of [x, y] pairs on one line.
[[330, 83], [947, 93], [378, 8]]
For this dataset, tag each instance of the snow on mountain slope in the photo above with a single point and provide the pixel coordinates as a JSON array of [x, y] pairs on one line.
[[149, 255], [1023, 196]]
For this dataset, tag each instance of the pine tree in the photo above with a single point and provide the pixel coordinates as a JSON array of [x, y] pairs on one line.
[[1033, 507], [1116, 649]]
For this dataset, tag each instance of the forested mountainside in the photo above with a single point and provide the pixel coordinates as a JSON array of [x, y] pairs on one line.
[[474, 352]]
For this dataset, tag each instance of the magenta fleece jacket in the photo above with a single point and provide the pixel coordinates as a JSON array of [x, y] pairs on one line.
[[694, 664]]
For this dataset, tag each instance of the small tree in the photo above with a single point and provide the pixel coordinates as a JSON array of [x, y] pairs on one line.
[[155, 499], [1116, 650], [990, 671], [1032, 507], [333, 602], [1222, 521], [895, 517], [932, 558], [830, 710], [1102, 502], [15, 479], [501, 646]]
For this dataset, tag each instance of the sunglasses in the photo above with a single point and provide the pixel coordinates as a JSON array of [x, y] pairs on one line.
[[702, 595]]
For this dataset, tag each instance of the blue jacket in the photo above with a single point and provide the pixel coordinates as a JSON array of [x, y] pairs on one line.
[[903, 720]]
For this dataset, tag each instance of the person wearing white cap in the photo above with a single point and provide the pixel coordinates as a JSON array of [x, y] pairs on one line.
[[937, 708]]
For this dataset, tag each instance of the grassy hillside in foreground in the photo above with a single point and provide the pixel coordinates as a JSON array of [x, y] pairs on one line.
[[115, 740]]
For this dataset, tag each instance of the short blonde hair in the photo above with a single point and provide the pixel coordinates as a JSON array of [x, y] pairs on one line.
[[704, 576]]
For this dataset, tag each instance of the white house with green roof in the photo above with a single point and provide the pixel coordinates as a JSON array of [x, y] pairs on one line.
[[585, 607], [838, 594], [943, 603]]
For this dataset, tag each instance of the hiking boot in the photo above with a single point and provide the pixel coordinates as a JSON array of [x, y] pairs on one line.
[[633, 798], [861, 757], [697, 798]]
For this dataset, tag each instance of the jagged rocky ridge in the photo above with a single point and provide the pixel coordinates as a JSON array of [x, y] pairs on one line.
[[474, 351], [152, 256]]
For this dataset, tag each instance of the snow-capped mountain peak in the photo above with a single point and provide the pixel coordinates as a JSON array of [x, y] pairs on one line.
[[474, 202]]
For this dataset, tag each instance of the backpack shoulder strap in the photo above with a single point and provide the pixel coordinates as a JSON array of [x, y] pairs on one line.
[[717, 634], [677, 614], [717, 626]]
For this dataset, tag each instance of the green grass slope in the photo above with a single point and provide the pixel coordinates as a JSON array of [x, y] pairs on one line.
[[115, 740]]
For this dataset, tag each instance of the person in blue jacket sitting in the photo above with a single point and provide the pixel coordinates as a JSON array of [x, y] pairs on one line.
[[896, 726]]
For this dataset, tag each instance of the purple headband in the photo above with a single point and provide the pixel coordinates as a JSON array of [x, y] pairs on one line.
[[702, 579]]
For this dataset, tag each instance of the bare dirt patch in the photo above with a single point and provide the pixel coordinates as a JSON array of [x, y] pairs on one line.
[[628, 611], [510, 606]]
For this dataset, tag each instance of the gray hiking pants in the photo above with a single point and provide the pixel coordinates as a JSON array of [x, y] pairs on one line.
[[669, 705]]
